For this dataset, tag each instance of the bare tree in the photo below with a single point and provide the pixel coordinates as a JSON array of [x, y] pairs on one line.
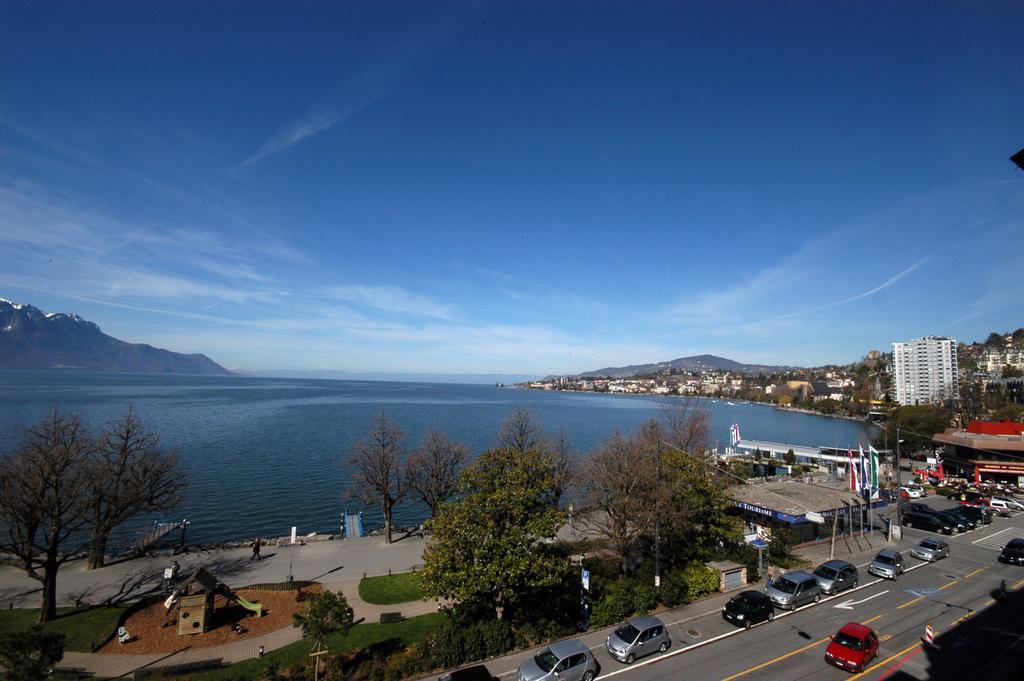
[[378, 475], [43, 490], [564, 467], [618, 476], [432, 471], [129, 474], [688, 424], [519, 432]]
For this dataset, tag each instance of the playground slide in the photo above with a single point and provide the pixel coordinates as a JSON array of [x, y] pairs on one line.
[[231, 595], [255, 607]]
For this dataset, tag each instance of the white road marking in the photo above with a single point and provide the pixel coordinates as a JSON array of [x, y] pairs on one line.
[[849, 603], [993, 541]]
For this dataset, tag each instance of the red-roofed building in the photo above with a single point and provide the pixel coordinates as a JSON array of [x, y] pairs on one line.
[[995, 427], [986, 451]]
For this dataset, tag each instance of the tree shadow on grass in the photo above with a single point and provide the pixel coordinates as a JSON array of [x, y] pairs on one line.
[[349, 662]]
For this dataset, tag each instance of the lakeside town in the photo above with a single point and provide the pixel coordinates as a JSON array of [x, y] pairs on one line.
[[984, 376]]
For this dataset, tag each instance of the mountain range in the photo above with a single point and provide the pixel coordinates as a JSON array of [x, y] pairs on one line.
[[32, 339], [695, 363]]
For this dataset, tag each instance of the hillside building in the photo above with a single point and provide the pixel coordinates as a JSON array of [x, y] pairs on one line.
[[924, 370]]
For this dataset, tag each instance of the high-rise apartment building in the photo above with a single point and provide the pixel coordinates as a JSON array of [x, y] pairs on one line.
[[924, 370]]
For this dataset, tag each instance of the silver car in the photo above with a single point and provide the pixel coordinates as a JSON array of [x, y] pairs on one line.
[[887, 563], [930, 550], [836, 575], [1009, 503], [566, 661], [793, 589], [638, 637]]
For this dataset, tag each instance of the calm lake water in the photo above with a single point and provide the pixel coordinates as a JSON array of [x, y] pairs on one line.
[[265, 454]]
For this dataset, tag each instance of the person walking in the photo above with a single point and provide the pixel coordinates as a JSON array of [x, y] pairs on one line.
[[255, 549]]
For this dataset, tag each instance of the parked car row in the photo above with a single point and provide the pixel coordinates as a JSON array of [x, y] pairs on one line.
[[851, 648], [968, 516]]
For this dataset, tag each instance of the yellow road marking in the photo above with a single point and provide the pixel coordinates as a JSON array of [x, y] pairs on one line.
[[790, 654], [883, 662], [884, 637], [981, 569], [988, 603], [948, 584], [777, 659], [1018, 584], [909, 603]]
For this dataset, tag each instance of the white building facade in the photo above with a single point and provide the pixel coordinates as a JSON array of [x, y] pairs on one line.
[[924, 370]]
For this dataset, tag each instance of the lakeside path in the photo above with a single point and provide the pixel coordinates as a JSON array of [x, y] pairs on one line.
[[322, 561], [339, 565]]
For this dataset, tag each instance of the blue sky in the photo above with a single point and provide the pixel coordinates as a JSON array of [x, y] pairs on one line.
[[514, 187]]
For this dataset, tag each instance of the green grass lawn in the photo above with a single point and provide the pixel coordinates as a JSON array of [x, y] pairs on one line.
[[81, 627], [360, 636], [390, 589]]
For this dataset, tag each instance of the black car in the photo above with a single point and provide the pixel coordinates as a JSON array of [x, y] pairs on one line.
[[916, 507], [927, 521], [747, 608], [962, 518], [1013, 552], [950, 520], [979, 514]]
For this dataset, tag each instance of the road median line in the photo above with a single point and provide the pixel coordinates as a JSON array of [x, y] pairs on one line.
[[780, 658]]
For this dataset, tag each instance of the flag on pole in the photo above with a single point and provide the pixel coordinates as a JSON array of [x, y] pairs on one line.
[[874, 471], [853, 472], [865, 480], [734, 435]]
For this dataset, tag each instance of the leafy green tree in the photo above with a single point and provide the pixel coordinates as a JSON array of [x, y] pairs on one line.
[[790, 457], [488, 547], [693, 505], [29, 655], [1012, 372], [917, 425], [325, 613]]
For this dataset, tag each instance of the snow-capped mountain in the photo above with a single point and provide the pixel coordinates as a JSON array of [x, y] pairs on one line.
[[32, 339]]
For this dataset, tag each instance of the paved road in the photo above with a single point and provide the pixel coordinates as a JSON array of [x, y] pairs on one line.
[[952, 595]]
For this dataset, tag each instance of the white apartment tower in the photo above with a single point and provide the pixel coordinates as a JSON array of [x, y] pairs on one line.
[[924, 370]]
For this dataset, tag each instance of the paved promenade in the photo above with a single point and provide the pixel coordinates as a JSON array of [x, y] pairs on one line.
[[338, 565]]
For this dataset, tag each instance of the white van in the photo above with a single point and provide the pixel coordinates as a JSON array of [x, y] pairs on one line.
[[1004, 506]]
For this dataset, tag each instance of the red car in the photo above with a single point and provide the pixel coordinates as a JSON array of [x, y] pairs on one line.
[[852, 647]]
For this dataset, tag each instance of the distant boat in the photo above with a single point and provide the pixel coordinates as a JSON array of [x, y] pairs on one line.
[[731, 404]]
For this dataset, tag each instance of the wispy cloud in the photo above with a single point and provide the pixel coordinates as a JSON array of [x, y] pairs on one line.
[[390, 299], [860, 296], [366, 86]]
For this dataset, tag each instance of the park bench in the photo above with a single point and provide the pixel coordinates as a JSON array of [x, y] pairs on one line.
[[390, 617]]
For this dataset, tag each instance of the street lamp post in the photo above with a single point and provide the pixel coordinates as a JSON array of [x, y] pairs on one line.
[[657, 517], [899, 496]]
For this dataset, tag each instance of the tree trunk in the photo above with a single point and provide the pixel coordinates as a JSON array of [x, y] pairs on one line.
[[48, 604], [387, 523], [97, 548]]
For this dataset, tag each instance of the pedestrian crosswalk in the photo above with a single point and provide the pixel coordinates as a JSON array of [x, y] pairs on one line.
[[997, 540]]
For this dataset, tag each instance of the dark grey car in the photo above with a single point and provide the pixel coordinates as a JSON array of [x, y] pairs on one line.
[[566, 661], [836, 575], [793, 589], [930, 550], [887, 564], [638, 637]]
